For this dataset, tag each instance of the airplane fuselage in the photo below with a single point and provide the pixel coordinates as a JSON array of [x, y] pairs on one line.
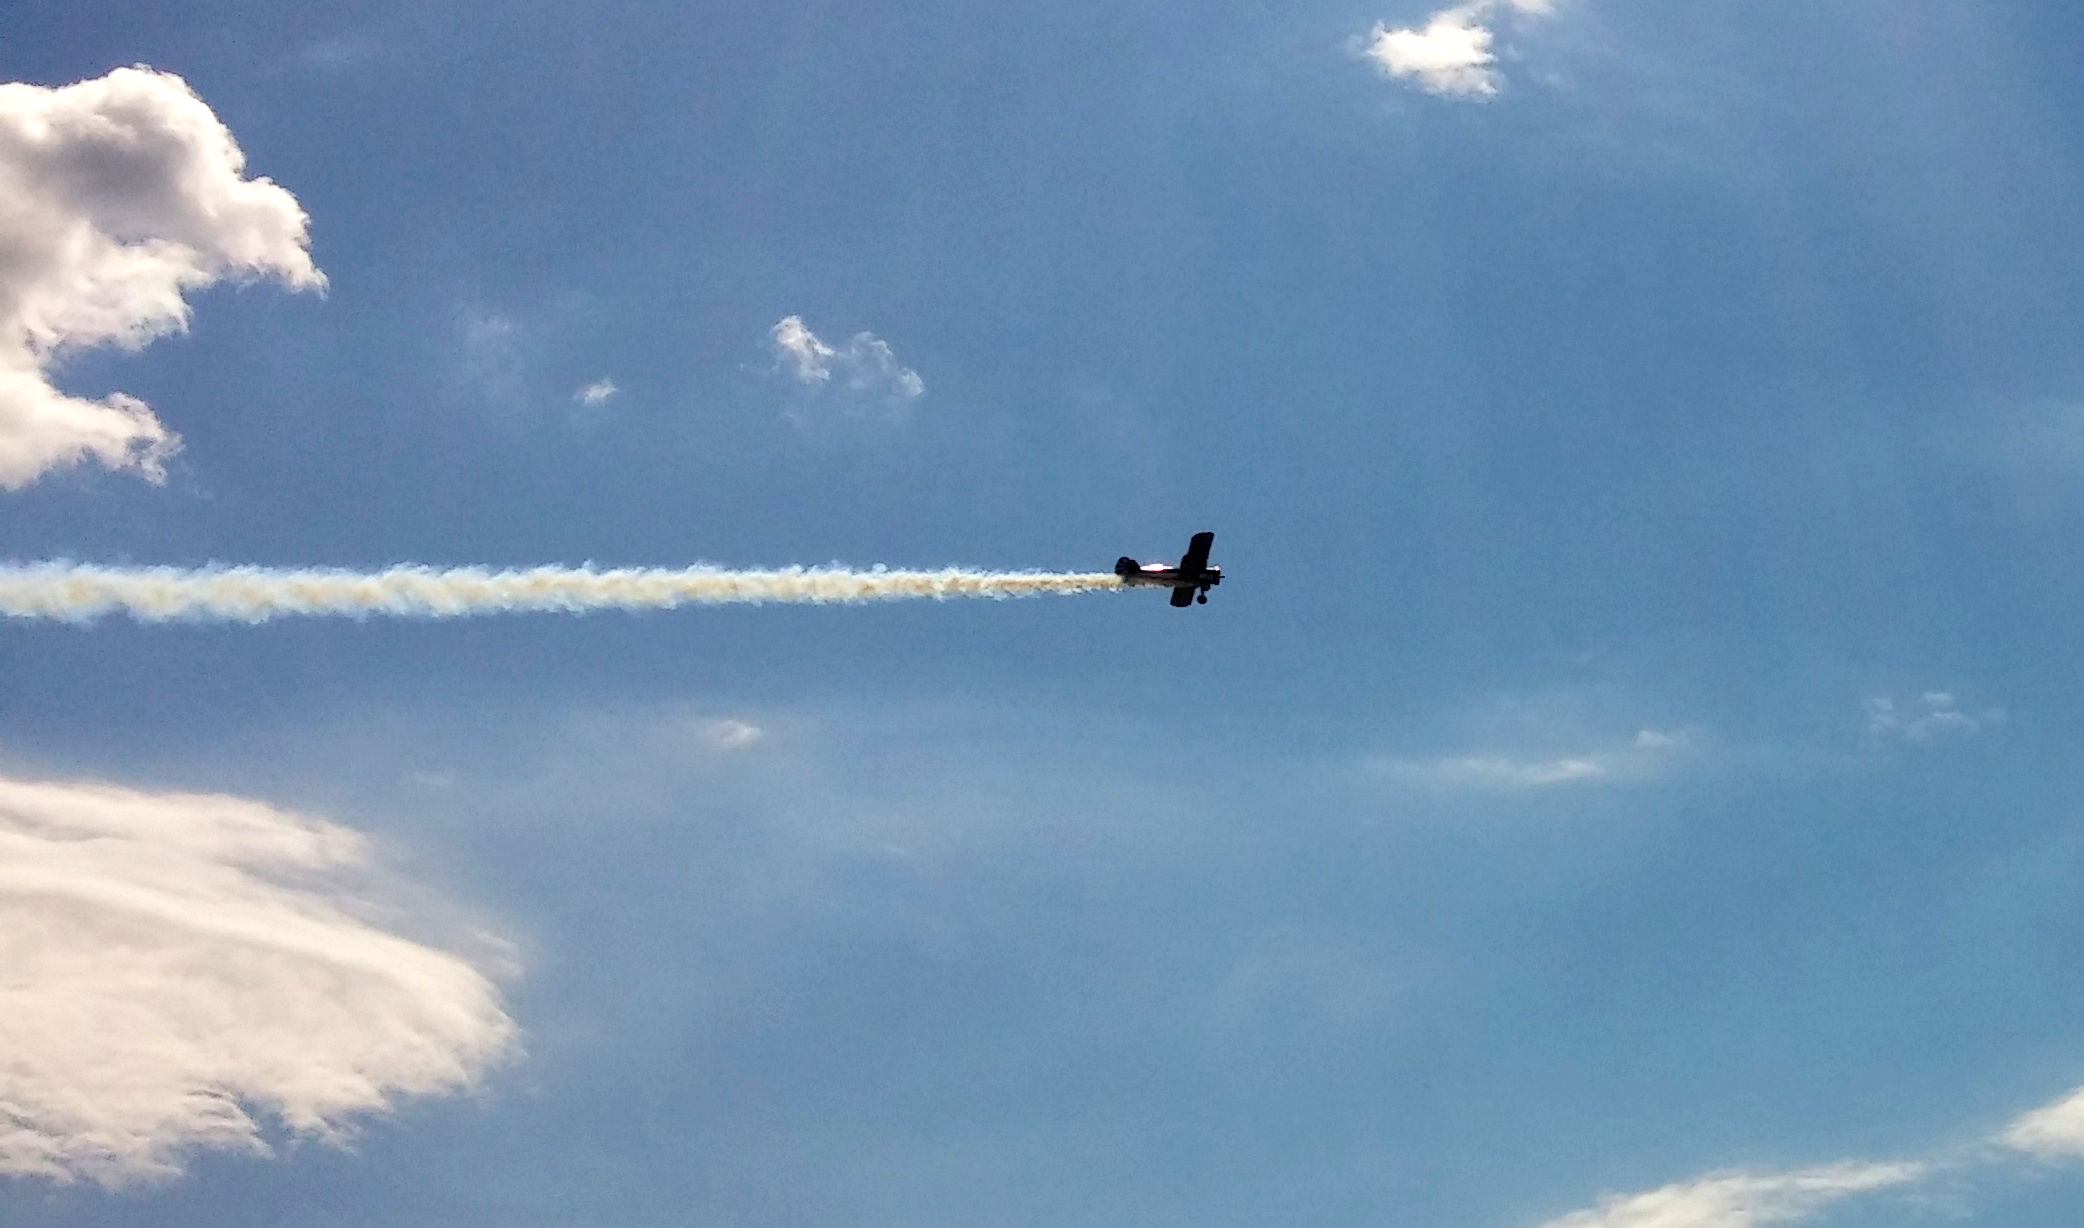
[[1158, 575], [1189, 582]]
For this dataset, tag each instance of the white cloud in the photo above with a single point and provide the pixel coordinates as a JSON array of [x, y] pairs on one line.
[[1450, 55], [1929, 717], [123, 194], [1649, 752], [1502, 772], [178, 969], [866, 367], [729, 734], [795, 344], [2053, 1132], [1740, 1200], [1749, 1200], [596, 393]]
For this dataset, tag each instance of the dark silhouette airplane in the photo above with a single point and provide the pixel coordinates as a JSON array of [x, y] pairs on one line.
[[1189, 582]]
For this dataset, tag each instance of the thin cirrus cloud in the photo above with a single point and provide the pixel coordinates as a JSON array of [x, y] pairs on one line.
[[1451, 54], [2052, 1133], [189, 972], [1741, 1199], [864, 370], [1928, 718], [488, 365], [1648, 754], [124, 194]]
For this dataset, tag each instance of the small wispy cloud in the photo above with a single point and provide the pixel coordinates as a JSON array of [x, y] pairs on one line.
[[179, 971], [513, 359], [1451, 54], [1648, 753], [864, 370], [1741, 1199], [1736, 1199], [487, 363], [729, 733], [338, 52], [1928, 718]]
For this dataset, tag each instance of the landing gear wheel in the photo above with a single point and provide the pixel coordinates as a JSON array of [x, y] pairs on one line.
[[1202, 598]]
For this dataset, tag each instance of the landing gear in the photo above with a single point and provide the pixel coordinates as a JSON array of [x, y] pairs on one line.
[[1202, 597]]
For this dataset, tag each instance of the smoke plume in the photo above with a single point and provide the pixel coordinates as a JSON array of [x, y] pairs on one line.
[[73, 592]]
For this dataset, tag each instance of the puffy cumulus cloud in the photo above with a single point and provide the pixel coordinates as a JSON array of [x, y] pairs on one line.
[[865, 369], [1450, 55], [123, 194], [798, 348], [181, 972], [1647, 754], [1740, 1200]]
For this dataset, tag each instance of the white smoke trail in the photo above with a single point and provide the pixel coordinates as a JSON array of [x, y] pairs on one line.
[[78, 593]]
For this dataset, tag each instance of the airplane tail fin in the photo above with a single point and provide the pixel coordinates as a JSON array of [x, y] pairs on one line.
[[1125, 566]]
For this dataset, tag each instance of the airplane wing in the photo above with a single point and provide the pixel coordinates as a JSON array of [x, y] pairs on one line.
[[1196, 557], [1183, 596]]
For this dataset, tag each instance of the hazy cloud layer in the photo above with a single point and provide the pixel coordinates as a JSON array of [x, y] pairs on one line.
[[123, 194], [488, 364], [1450, 55], [1740, 1200], [1650, 752], [864, 370], [178, 969], [1928, 718]]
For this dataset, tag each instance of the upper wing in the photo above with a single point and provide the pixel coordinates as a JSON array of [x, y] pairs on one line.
[[1183, 596], [1196, 557]]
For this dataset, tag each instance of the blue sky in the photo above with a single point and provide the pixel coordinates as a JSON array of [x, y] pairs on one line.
[[1635, 746]]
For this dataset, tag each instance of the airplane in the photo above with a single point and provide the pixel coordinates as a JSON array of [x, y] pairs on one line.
[[1193, 573]]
